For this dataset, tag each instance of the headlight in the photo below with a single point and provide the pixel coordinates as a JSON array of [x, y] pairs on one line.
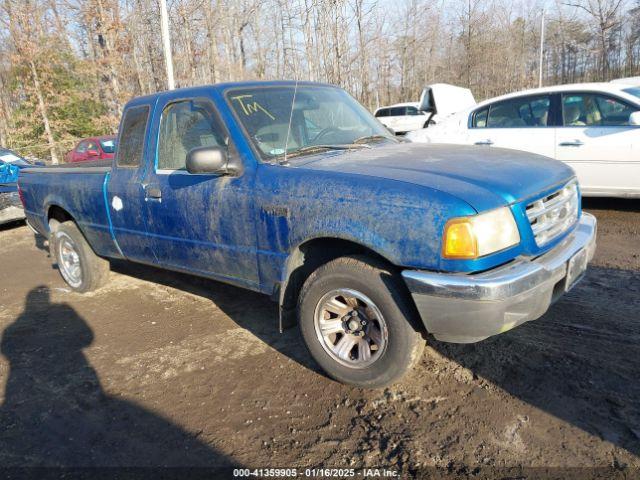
[[479, 235]]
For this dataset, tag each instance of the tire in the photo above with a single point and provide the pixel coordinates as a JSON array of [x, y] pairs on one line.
[[79, 266], [389, 332]]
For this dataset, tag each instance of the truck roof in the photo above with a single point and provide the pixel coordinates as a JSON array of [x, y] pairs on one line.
[[189, 91]]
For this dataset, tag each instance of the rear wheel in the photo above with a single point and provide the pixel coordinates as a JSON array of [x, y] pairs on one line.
[[357, 322], [79, 266]]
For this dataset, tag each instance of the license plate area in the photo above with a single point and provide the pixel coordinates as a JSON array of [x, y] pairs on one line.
[[575, 269]]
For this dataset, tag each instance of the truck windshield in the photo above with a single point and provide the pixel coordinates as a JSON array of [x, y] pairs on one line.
[[320, 118]]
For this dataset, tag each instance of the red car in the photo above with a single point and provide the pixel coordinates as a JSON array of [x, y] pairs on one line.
[[94, 148]]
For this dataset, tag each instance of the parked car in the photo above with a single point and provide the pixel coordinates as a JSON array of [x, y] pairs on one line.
[[441, 100], [366, 240], [10, 205], [93, 149], [402, 117], [593, 127]]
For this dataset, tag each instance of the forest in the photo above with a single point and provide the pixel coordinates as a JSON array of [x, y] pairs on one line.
[[67, 67]]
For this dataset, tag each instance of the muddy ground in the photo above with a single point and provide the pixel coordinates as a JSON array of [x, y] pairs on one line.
[[164, 369]]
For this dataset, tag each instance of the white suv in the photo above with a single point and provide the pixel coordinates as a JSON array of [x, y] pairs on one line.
[[402, 117], [594, 127]]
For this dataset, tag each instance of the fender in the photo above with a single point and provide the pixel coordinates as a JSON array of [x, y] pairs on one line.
[[306, 257]]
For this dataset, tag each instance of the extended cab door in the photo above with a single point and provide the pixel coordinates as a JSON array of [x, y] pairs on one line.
[[595, 138], [124, 193], [523, 123], [201, 223]]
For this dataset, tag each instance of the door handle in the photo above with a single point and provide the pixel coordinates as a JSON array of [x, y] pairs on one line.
[[574, 143], [153, 193], [484, 142]]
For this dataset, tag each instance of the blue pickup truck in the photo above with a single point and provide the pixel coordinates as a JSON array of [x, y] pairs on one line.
[[296, 191]]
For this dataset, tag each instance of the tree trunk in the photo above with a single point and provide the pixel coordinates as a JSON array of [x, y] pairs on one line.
[[43, 112]]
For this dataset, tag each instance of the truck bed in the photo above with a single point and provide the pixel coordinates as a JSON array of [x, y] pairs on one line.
[[76, 187]]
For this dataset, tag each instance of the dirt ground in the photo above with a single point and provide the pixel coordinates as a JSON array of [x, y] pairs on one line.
[[162, 369]]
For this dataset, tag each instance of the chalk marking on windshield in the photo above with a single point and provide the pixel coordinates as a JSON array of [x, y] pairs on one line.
[[251, 108]]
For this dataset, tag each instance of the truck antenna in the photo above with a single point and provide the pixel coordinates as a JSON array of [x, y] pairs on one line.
[[293, 102]]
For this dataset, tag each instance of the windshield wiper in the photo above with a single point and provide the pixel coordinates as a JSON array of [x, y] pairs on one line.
[[319, 148], [369, 138]]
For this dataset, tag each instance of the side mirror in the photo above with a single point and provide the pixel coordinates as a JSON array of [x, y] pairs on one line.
[[634, 118], [93, 153], [207, 160]]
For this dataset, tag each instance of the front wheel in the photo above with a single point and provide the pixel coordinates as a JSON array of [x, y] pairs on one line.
[[358, 322], [79, 266]]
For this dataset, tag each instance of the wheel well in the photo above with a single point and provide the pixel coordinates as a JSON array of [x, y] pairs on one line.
[[305, 259], [57, 215]]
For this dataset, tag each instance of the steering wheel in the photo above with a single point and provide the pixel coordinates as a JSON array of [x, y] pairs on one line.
[[324, 132]]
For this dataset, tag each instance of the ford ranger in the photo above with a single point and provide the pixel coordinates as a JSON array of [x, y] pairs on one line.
[[295, 190]]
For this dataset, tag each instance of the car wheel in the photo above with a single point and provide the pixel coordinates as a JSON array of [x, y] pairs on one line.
[[358, 322], [79, 266]]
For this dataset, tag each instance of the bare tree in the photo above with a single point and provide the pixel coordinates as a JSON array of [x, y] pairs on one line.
[[26, 38], [106, 51], [605, 15]]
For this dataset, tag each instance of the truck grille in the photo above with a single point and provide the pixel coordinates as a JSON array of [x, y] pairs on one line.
[[552, 215]]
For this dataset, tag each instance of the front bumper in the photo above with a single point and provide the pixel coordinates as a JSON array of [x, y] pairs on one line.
[[468, 308], [10, 207]]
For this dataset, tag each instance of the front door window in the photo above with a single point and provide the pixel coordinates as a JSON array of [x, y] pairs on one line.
[[594, 110], [186, 125]]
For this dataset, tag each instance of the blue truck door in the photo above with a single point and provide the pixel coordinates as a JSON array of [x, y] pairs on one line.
[[124, 189], [201, 223]]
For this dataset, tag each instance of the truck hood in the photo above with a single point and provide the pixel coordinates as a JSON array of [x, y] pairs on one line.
[[485, 178]]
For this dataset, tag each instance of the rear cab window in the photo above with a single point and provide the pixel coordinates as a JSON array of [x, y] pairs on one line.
[[132, 136]]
